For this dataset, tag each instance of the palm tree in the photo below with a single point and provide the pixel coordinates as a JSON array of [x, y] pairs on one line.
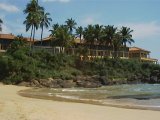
[[89, 35], [126, 35], [108, 37], [71, 24], [62, 37], [79, 31], [98, 34], [1, 25], [32, 21], [54, 28], [109, 32], [45, 22], [33, 11], [116, 44], [29, 24]]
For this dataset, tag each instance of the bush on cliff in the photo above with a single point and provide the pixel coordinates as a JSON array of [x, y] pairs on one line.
[[21, 63]]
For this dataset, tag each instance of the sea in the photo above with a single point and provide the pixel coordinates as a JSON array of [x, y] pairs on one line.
[[136, 96]]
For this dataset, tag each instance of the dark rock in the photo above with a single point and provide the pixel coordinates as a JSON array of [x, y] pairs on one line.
[[155, 73], [88, 81], [146, 80], [27, 84], [68, 84], [153, 79], [135, 79], [56, 83], [103, 80], [34, 83]]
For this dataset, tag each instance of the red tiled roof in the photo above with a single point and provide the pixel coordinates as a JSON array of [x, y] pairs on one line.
[[11, 37], [137, 49], [7, 36]]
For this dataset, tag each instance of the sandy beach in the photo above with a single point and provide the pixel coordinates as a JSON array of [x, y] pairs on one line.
[[16, 107]]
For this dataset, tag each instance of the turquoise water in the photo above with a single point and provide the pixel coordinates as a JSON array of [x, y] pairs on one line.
[[143, 96]]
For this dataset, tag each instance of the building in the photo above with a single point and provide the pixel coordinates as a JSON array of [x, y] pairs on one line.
[[96, 51], [7, 39], [141, 55], [100, 51]]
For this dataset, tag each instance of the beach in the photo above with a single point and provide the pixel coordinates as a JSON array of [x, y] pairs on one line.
[[16, 107]]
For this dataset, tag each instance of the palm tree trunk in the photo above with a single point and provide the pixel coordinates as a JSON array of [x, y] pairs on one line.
[[34, 34], [41, 35], [113, 52], [80, 38], [31, 36]]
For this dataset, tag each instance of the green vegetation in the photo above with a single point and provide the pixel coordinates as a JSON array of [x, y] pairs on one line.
[[64, 35], [36, 17], [20, 64]]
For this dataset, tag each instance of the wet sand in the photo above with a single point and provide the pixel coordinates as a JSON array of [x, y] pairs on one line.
[[16, 107]]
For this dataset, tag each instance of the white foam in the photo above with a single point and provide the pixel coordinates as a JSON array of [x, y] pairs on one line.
[[68, 97], [72, 90], [50, 94]]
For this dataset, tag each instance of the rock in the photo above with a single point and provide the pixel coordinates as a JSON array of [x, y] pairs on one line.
[[55, 83], [153, 79], [50, 79], [34, 83], [68, 84], [103, 80], [88, 82], [146, 80], [155, 73], [27, 84], [135, 79]]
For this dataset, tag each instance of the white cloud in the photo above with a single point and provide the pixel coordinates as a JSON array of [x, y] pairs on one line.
[[144, 30], [8, 7], [63, 1], [89, 20], [5, 29]]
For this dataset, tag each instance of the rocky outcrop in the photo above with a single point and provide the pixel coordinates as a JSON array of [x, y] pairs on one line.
[[79, 81], [153, 78], [88, 81], [93, 81]]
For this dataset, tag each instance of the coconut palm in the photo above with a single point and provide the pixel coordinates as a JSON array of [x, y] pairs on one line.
[[79, 31], [33, 11], [62, 37], [109, 32], [98, 33], [1, 25], [54, 28], [116, 44], [29, 24], [32, 21], [33, 6], [45, 22], [126, 35], [89, 35], [71, 24]]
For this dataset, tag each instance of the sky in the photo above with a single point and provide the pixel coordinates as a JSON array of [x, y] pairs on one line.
[[142, 16]]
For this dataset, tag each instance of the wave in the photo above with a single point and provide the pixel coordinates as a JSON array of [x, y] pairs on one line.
[[72, 90], [68, 97]]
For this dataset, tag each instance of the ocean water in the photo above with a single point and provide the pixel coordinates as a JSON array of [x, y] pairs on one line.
[[140, 96]]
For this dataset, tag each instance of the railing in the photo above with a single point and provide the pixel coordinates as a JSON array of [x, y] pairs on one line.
[[2, 50], [97, 53], [91, 53]]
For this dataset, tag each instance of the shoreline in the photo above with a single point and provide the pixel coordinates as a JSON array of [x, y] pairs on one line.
[[15, 107], [107, 103]]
